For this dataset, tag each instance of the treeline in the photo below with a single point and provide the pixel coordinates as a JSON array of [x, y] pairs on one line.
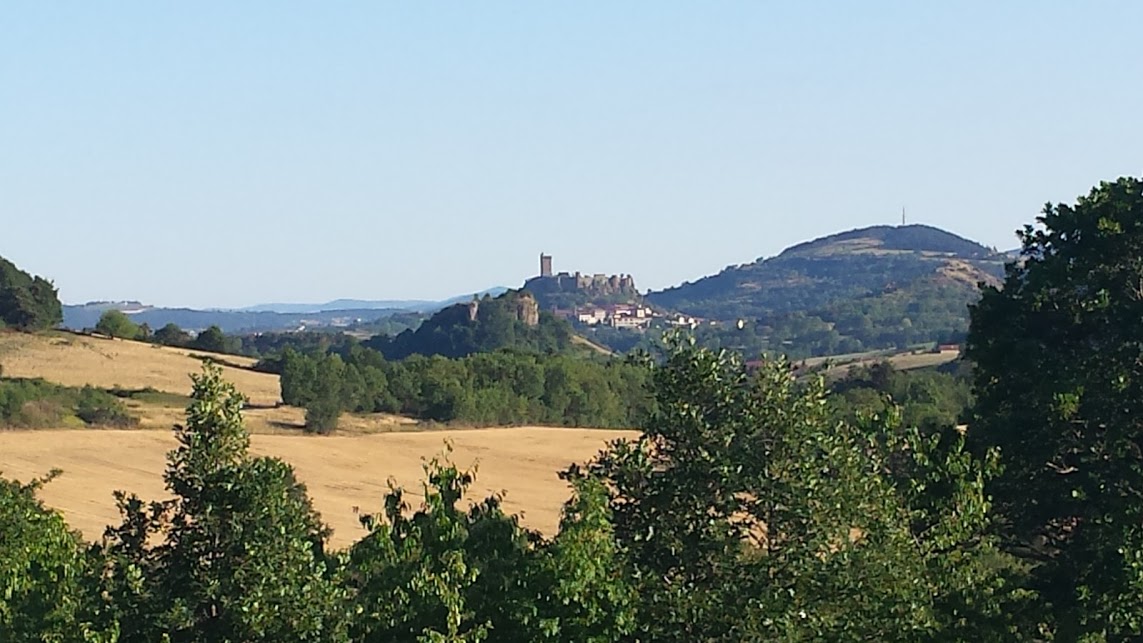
[[270, 346], [27, 302], [502, 387], [116, 323]]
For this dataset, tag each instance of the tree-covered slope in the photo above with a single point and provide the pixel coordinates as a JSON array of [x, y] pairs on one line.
[[512, 320]]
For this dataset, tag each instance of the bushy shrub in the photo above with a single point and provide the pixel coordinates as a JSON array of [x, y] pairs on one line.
[[39, 413], [34, 404], [99, 408]]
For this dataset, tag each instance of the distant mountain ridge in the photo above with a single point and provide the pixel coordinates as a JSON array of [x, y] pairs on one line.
[[229, 321], [416, 305], [262, 317], [337, 304], [867, 288]]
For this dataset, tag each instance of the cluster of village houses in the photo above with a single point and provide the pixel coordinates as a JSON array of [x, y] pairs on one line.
[[631, 316]]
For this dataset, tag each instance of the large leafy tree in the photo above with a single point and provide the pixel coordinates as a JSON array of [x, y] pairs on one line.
[[116, 323], [239, 552], [27, 302], [744, 512], [1059, 382], [214, 340], [171, 335]]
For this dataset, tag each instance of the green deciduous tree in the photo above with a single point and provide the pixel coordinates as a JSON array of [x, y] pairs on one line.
[[116, 323], [503, 387], [240, 554], [329, 395], [322, 416], [171, 335], [298, 377], [215, 341], [1059, 381]]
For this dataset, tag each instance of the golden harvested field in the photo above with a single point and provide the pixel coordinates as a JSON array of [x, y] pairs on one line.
[[289, 420], [341, 472], [902, 361], [75, 360]]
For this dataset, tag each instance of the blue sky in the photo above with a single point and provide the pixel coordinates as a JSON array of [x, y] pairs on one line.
[[223, 154]]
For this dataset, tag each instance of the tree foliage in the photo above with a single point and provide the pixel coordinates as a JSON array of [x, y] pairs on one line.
[[747, 513], [171, 335], [44, 590], [929, 399], [116, 323], [446, 573], [215, 341], [27, 302], [1059, 382]]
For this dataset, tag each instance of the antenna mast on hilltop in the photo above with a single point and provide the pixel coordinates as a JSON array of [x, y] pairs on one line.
[[902, 215]]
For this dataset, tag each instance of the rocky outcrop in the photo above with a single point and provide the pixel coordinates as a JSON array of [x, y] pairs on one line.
[[527, 309]]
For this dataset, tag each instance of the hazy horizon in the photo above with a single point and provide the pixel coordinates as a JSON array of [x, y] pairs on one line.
[[490, 287], [225, 155]]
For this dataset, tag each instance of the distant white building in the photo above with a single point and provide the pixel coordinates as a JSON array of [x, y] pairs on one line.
[[684, 321], [629, 321], [615, 315], [591, 316]]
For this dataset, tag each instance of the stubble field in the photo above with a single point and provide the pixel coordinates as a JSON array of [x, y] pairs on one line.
[[346, 474]]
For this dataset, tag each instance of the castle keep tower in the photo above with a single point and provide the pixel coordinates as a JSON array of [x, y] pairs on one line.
[[545, 265]]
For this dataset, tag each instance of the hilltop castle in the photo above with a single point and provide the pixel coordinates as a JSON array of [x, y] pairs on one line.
[[565, 290], [598, 283]]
